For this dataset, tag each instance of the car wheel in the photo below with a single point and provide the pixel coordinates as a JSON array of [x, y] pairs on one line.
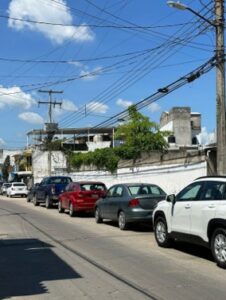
[[35, 201], [28, 199], [218, 247], [161, 234], [98, 218], [71, 210], [60, 209], [122, 224], [48, 202]]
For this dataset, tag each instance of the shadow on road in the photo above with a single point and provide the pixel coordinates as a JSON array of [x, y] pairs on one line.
[[26, 264], [194, 250], [136, 227]]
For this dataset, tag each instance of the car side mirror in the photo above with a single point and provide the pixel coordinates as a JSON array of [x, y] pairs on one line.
[[171, 198]]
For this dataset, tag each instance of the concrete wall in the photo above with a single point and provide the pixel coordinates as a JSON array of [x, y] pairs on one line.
[[171, 178], [171, 171], [40, 163]]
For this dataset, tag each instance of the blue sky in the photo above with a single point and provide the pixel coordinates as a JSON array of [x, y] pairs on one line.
[[97, 63]]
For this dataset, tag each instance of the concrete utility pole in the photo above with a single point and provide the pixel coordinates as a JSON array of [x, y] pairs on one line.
[[220, 87], [218, 23], [51, 104]]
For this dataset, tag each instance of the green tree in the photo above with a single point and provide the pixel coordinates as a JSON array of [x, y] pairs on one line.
[[6, 168], [140, 135]]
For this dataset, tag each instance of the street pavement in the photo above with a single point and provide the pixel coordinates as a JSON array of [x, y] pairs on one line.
[[47, 255]]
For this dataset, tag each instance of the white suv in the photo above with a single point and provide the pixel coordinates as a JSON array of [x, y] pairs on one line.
[[17, 189], [197, 215]]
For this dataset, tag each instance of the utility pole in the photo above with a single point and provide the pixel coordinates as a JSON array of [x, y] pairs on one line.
[[220, 87], [51, 104], [218, 23]]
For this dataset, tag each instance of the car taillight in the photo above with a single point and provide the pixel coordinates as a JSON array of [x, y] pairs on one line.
[[134, 202]]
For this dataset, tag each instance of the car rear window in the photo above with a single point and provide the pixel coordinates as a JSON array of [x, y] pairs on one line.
[[93, 187], [62, 180], [18, 184], [145, 189]]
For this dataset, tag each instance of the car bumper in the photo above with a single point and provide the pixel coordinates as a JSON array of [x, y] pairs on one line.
[[139, 216]]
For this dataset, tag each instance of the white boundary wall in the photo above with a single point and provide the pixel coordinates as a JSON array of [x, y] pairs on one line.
[[171, 178]]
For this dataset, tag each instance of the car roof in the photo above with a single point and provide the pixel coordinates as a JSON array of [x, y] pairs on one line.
[[211, 178], [88, 182], [136, 183]]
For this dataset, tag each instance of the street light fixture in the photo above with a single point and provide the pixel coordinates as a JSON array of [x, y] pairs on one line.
[[177, 5], [220, 78]]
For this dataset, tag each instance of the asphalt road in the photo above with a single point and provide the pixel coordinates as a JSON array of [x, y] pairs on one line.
[[47, 255]]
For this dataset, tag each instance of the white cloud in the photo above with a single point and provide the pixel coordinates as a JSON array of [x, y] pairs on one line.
[[49, 12], [31, 117], [205, 137], [123, 103], [77, 64], [90, 74], [67, 106], [154, 107], [96, 107], [14, 96], [2, 142]]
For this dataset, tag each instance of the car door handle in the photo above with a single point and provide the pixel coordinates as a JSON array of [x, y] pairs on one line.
[[187, 206], [211, 205]]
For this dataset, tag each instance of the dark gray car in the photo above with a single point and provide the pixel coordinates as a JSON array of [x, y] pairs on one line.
[[129, 203]]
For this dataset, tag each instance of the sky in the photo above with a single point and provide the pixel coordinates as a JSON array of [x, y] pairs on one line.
[[104, 55]]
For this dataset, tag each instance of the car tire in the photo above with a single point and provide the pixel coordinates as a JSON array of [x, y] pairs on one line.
[[98, 217], [161, 234], [48, 202], [60, 208], [71, 210], [122, 224], [35, 201], [218, 247], [28, 199]]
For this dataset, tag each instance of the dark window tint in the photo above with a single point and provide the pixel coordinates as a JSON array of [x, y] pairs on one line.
[[61, 180], [93, 187], [213, 190], [19, 184]]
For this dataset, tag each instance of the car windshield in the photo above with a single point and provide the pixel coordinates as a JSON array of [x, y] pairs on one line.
[[92, 187], [19, 184], [145, 189]]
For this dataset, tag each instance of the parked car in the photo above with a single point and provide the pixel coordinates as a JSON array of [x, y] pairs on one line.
[[49, 189], [129, 203], [17, 189], [81, 196], [4, 188], [31, 192], [197, 215]]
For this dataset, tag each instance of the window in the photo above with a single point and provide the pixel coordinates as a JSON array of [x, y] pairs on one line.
[[191, 192], [145, 189], [213, 190], [118, 192], [93, 187], [110, 192]]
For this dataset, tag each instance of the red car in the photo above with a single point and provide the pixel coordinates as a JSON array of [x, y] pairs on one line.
[[81, 196]]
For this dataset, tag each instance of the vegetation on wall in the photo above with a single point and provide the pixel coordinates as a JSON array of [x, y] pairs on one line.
[[138, 135]]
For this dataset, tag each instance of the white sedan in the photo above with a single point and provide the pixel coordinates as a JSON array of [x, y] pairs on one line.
[[17, 189]]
